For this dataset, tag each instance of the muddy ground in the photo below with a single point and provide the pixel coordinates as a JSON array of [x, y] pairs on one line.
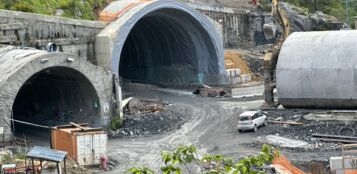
[[212, 128], [210, 125]]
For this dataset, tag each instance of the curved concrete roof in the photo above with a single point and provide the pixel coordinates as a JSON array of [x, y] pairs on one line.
[[203, 33], [318, 70], [18, 65]]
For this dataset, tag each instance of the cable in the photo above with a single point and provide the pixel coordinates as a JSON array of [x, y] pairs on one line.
[[30, 124]]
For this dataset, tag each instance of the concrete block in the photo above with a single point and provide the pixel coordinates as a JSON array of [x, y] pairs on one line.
[[246, 78], [336, 164], [233, 72]]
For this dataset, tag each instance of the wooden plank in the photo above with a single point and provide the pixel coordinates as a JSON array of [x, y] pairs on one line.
[[70, 126], [336, 140], [350, 145], [334, 136], [78, 126], [88, 130], [286, 122], [54, 138]]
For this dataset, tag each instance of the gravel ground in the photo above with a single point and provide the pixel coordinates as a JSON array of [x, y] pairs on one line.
[[211, 127], [304, 132], [172, 118]]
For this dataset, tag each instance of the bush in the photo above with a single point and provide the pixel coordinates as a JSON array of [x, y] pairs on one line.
[[331, 7], [178, 160], [115, 122], [80, 9]]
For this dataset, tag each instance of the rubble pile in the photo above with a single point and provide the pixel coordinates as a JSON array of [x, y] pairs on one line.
[[137, 106], [304, 132], [146, 117]]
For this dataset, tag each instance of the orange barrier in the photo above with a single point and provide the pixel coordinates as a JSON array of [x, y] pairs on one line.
[[350, 171], [281, 160], [107, 16]]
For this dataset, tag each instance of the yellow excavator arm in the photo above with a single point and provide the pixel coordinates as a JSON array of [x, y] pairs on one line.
[[278, 12], [271, 57]]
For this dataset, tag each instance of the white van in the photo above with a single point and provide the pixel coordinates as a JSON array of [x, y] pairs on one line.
[[251, 120]]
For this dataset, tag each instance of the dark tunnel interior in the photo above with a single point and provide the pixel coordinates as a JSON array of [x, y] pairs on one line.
[[167, 47], [55, 96]]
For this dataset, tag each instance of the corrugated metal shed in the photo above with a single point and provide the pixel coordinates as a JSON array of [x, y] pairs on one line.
[[47, 154]]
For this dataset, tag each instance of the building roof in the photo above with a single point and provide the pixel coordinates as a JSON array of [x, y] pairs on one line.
[[46, 154]]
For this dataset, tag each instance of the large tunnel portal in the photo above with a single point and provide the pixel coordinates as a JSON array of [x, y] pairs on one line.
[[55, 96], [168, 47], [165, 43], [39, 89]]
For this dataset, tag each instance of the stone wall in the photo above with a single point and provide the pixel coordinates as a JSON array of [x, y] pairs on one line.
[[235, 24], [242, 26], [33, 30], [77, 36], [239, 4], [256, 23]]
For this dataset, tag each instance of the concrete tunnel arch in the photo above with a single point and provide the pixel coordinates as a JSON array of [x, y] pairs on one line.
[[23, 66], [169, 42]]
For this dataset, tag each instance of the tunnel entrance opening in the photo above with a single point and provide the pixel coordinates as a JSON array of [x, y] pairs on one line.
[[54, 96], [169, 48]]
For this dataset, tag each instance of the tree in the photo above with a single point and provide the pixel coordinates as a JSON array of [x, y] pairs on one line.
[[177, 161]]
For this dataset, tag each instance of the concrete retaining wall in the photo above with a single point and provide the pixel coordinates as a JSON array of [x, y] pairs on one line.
[[32, 30], [239, 29], [235, 24]]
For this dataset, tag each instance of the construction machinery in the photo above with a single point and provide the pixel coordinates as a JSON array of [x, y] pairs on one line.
[[313, 70], [271, 57]]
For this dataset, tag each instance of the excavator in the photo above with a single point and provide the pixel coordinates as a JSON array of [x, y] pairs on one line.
[[311, 70], [271, 56]]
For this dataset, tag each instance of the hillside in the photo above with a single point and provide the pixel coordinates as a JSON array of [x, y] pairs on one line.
[[90, 9], [331, 7], [81, 9]]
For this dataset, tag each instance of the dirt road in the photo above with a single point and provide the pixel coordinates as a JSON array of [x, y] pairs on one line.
[[211, 128]]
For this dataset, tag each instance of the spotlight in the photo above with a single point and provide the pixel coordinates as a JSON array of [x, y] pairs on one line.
[[70, 59], [44, 60]]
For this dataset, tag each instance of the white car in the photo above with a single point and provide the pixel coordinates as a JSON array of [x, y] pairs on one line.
[[251, 120]]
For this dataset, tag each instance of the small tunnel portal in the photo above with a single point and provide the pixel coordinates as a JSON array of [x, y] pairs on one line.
[[168, 47], [55, 96]]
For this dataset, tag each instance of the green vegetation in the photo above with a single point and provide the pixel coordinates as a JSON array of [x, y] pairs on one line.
[[79, 9], [183, 157], [335, 8], [115, 122], [8, 158]]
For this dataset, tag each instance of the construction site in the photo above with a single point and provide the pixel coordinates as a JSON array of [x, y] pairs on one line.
[[151, 77]]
